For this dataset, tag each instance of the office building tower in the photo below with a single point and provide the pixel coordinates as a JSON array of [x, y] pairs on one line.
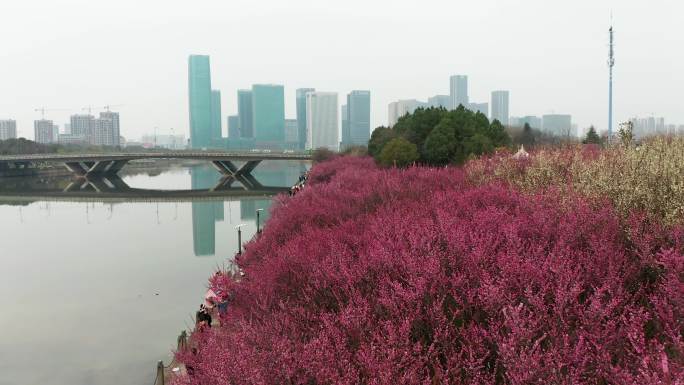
[[216, 120], [200, 98], [291, 134], [533, 121], [346, 137], [479, 107], [268, 111], [234, 126], [458, 87], [557, 124], [322, 120], [111, 134], [499, 106], [358, 113], [301, 114], [437, 101], [44, 131], [80, 124], [245, 113], [398, 109], [8, 129]]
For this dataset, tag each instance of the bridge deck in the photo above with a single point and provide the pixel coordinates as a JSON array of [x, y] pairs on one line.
[[239, 156]]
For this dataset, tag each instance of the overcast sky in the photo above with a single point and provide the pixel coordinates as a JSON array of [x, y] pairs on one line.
[[550, 54]]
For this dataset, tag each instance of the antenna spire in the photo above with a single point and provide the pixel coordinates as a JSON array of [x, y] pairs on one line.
[[611, 64]]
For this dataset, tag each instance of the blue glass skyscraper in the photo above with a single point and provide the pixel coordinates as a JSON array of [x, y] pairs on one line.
[[199, 93], [245, 113], [268, 111], [358, 116]]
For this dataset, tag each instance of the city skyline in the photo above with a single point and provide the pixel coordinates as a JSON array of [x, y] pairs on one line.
[[568, 76]]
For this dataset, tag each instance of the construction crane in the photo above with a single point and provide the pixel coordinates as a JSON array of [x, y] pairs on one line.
[[43, 109], [89, 109], [108, 107]]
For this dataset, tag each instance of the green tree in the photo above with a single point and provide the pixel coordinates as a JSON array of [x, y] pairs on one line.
[[379, 138], [440, 145], [497, 134], [592, 137], [398, 152], [527, 138]]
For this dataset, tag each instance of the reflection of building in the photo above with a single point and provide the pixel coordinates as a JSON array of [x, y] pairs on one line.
[[205, 214]]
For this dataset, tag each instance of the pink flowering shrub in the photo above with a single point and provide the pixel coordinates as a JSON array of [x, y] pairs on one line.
[[414, 276]]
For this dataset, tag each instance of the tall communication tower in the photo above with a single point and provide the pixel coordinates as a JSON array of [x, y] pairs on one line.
[[611, 64]]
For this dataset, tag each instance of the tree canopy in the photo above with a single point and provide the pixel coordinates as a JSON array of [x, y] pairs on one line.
[[440, 136], [398, 152], [592, 137]]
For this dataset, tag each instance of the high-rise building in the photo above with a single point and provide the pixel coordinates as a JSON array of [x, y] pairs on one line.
[[398, 109], [499, 105], [245, 113], [533, 121], [479, 107], [291, 134], [322, 121], [301, 115], [216, 120], [268, 111], [81, 125], [358, 115], [234, 126], [205, 214], [458, 87], [557, 124], [346, 137], [438, 101], [111, 133], [199, 87], [8, 129], [44, 131]]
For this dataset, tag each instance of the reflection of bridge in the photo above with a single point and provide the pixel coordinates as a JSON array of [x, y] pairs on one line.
[[110, 164], [112, 189]]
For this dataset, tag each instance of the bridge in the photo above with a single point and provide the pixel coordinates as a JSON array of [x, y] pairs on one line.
[[112, 189], [83, 165]]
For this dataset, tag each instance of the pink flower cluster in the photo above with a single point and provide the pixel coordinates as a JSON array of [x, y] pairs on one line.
[[415, 276]]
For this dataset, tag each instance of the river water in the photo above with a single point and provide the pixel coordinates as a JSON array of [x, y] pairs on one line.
[[95, 290]]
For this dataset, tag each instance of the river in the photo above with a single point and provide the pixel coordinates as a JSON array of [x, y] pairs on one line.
[[94, 287]]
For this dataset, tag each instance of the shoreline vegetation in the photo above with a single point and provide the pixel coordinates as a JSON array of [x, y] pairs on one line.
[[562, 267]]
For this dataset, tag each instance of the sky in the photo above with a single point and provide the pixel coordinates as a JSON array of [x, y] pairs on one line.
[[551, 55]]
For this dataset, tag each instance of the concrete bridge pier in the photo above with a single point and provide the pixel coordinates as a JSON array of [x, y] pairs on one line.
[[227, 167], [95, 168]]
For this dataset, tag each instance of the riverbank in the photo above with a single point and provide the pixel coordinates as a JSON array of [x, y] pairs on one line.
[[428, 275]]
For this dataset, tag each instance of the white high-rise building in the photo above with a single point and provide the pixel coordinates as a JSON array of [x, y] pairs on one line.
[[499, 106], [322, 118], [458, 91], [479, 107], [397, 109], [8, 129], [44, 131]]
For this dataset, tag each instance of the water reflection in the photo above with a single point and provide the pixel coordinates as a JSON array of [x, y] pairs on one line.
[[103, 281]]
